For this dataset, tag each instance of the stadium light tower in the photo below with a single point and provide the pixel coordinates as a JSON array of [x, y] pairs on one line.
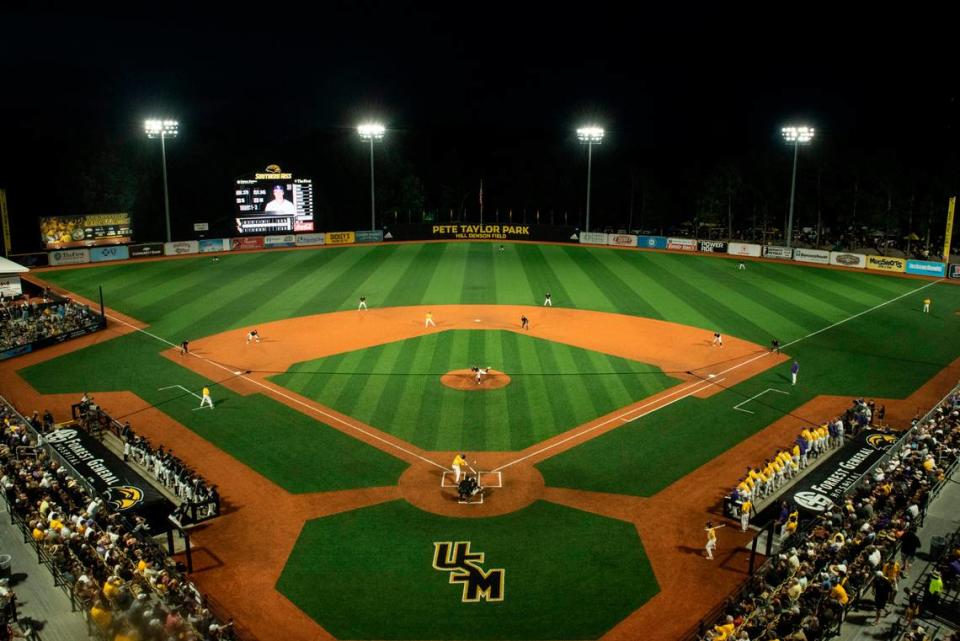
[[797, 135], [163, 129], [372, 132], [589, 136]]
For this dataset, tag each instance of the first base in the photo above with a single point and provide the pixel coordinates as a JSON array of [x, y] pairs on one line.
[[476, 320], [238, 372]]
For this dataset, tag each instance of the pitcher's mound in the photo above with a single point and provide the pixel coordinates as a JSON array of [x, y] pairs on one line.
[[465, 379]]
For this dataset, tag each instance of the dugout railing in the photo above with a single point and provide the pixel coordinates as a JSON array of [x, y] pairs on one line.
[[717, 611]]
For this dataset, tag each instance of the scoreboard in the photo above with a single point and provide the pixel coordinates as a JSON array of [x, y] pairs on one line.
[[273, 203], [61, 232]]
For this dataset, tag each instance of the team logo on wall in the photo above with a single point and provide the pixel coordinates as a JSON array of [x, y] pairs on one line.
[[60, 436], [813, 501], [124, 497], [464, 568], [881, 441]]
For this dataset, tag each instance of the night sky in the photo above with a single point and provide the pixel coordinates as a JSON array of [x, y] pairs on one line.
[[469, 91]]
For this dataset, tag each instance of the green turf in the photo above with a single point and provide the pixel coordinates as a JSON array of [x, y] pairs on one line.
[[287, 447], [396, 388], [569, 574]]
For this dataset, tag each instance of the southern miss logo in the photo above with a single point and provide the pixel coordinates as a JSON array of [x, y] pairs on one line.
[[464, 567], [124, 497], [881, 441]]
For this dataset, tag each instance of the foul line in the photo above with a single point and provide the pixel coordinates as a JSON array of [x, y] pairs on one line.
[[711, 382], [769, 389], [289, 398]]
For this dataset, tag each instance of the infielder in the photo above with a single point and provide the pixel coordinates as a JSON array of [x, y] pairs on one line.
[[458, 461], [253, 335], [717, 339], [206, 400], [524, 322], [548, 300], [428, 320], [363, 303], [711, 538], [184, 347]]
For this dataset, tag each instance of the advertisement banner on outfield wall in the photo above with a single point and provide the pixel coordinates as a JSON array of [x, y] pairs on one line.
[[286, 240], [70, 257], [10, 286], [592, 238], [887, 263], [652, 242], [682, 244], [100, 254], [146, 249], [744, 249], [247, 242], [622, 240], [846, 259], [775, 251], [926, 268], [712, 246], [369, 236], [181, 247], [305, 240], [208, 245], [494, 231], [954, 271], [819, 256], [339, 238]]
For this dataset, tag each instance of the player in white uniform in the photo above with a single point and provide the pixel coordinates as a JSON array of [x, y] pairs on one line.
[[717, 339], [363, 303], [253, 335]]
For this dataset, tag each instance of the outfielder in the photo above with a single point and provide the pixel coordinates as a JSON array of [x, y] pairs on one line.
[[206, 400]]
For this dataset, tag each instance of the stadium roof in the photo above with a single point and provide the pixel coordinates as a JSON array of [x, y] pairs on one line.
[[10, 267]]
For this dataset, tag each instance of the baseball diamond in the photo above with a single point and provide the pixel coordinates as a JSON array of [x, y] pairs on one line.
[[615, 433]]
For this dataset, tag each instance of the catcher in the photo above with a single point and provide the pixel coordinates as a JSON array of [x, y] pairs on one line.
[[469, 487]]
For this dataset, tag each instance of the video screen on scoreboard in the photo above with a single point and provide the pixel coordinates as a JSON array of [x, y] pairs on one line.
[[274, 203], [61, 232]]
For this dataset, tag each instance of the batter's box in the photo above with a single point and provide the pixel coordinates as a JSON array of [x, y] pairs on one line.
[[487, 479]]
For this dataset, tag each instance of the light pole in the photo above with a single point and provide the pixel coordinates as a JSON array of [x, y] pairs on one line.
[[797, 135], [163, 129], [590, 136], [372, 132]]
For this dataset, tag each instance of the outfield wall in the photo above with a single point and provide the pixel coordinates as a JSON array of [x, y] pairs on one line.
[[505, 232]]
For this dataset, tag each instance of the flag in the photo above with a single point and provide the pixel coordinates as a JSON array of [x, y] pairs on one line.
[[481, 195]]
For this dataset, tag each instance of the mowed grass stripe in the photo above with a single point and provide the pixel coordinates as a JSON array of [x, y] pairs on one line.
[[618, 292], [719, 313], [559, 393], [511, 286], [762, 302], [535, 390], [495, 404], [668, 305], [521, 413], [851, 285], [411, 287], [478, 285], [541, 276], [452, 411], [811, 290], [447, 278], [381, 283], [340, 280]]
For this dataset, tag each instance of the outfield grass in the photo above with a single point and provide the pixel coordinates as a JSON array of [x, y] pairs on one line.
[[887, 352], [396, 388], [569, 574]]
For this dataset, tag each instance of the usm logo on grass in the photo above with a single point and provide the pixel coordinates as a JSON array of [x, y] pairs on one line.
[[463, 565]]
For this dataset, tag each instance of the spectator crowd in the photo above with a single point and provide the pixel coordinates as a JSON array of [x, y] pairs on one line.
[[24, 321], [127, 586], [853, 550]]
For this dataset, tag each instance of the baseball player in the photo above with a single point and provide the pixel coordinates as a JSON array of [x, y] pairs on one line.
[[428, 320], [481, 372], [184, 347], [458, 461], [253, 335], [501, 249], [794, 370], [775, 345], [745, 508], [711, 538], [524, 322], [926, 305], [741, 266], [363, 303], [548, 300], [206, 400], [717, 339]]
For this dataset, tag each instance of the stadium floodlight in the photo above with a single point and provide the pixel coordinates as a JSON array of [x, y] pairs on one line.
[[797, 135], [590, 136], [372, 132], [163, 129]]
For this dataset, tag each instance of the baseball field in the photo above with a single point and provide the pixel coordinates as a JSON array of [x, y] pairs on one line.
[[613, 431]]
